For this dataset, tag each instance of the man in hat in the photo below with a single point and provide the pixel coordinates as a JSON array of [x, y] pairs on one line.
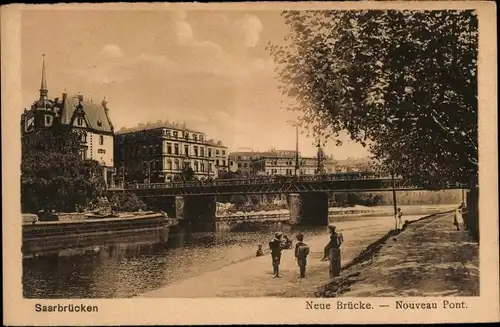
[[275, 247], [301, 253], [332, 250]]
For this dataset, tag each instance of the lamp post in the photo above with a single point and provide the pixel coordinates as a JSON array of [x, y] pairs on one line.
[[297, 166], [149, 170], [394, 200]]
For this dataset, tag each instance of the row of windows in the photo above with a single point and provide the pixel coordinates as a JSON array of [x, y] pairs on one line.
[[175, 164], [83, 138], [197, 151], [185, 135], [138, 151], [167, 133]]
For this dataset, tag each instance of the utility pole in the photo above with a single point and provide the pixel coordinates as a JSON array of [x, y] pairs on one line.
[[394, 201], [297, 167], [320, 157]]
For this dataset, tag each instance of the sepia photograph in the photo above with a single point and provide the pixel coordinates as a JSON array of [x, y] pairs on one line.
[[323, 154]]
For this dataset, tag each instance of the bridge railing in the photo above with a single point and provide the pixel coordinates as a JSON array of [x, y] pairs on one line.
[[277, 179]]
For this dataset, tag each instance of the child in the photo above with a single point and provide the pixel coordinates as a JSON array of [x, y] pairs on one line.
[[259, 251], [275, 247], [301, 253]]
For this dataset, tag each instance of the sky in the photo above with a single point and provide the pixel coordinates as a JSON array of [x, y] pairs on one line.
[[207, 69]]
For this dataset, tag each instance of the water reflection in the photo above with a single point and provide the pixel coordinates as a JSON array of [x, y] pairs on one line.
[[126, 269]]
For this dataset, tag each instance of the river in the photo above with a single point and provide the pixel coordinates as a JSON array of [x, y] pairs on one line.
[[128, 269]]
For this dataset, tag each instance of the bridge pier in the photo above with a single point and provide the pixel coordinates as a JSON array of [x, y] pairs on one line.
[[200, 211], [308, 208], [179, 207]]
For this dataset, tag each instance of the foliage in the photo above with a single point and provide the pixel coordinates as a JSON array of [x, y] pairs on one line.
[[54, 176], [237, 200], [402, 83], [187, 174], [126, 202]]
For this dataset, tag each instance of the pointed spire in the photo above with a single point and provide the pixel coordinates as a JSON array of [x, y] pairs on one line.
[[43, 83]]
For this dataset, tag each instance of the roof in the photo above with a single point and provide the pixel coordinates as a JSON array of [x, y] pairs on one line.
[[95, 114], [157, 125], [272, 153]]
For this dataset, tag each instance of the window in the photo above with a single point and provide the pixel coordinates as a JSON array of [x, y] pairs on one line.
[[169, 165], [157, 148], [186, 136], [231, 163], [195, 151], [195, 137], [223, 152], [176, 149], [186, 150], [84, 137], [201, 138], [239, 165], [196, 166], [245, 165], [150, 150], [209, 152], [169, 148], [239, 157], [223, 162], [176, 164], [79, 121], [101, 151], [101, 139], [217, 152], [202, 152], [176, 134], [202, 166], [167, 132], [217, 162]]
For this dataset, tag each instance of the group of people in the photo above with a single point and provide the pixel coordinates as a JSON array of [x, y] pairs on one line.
[[302, 250]]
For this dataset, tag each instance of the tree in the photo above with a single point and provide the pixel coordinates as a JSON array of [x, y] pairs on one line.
[[188, 174], [128, 202], [402, 83], [53, 174]]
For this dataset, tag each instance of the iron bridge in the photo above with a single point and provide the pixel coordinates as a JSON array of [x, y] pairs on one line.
[[276, 186]]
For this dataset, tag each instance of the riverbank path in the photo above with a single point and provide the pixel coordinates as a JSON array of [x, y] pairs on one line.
[[429, 258], [254, 278]]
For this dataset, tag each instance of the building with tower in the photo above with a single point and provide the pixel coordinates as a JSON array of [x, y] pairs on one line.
[[92, 119]]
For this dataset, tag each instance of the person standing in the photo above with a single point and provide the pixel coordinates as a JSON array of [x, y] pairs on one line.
[[336, 241], [275, 247], [301, 253], [399, 217], [458, 220], [465, 216]]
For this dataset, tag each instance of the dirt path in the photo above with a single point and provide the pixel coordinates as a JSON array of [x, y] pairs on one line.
[[429, 258]]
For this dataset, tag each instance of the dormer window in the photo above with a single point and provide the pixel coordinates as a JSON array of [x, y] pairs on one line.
[[99, 123], [79, 121]]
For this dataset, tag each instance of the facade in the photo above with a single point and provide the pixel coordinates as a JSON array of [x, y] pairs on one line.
[[92, 119], [277, 162], [160, 152], [244, 160], [284, 165]]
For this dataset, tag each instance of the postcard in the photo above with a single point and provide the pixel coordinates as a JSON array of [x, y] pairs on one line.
[[250, 163]]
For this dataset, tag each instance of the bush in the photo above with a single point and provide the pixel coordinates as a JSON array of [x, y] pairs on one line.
[[126, 202]]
